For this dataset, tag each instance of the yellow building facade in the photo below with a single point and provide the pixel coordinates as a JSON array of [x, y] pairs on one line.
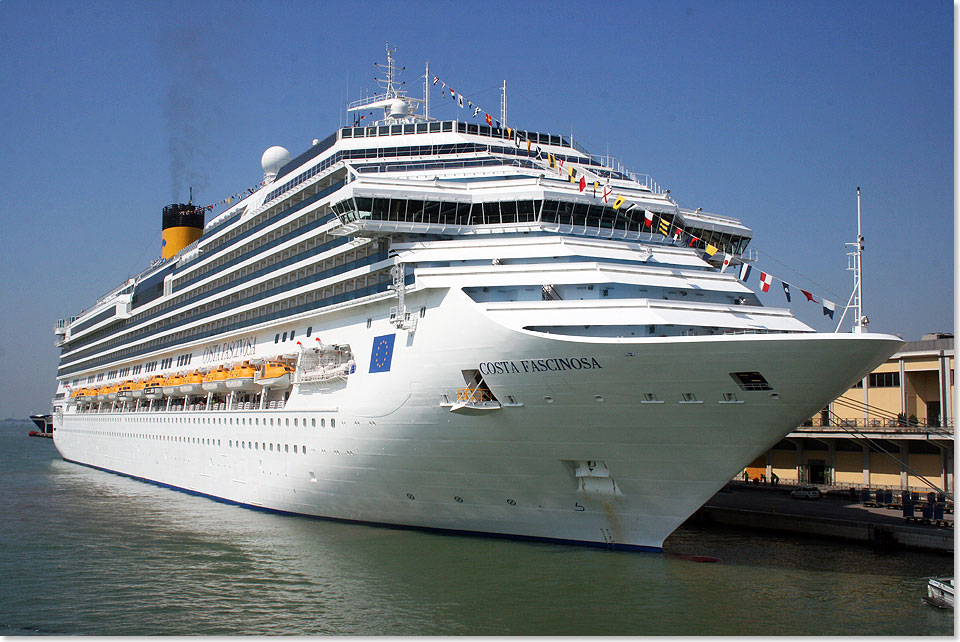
[[894, 429]]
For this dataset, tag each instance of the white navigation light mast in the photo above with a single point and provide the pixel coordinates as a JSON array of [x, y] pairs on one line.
[[855, 264], [398, 108]]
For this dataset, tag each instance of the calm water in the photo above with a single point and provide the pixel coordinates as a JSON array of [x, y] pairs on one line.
[[87, 552]]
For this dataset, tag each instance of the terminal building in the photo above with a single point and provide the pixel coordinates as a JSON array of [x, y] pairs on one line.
[[894, 429]]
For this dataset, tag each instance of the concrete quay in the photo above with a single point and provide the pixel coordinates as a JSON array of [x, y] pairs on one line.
[[835, 516]]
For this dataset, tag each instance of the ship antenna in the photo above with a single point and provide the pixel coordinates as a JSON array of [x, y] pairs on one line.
[[855, 265], [190, 202]]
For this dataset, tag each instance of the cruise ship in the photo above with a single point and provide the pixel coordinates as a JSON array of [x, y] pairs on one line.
[[451, 325]]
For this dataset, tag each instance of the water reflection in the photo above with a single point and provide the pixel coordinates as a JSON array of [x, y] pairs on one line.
[[102, 554]]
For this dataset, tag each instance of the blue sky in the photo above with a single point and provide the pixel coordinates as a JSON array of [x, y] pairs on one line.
[[771, 112]]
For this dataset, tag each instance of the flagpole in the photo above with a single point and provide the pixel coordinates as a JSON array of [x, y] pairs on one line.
[[860, 316], [426, 93]]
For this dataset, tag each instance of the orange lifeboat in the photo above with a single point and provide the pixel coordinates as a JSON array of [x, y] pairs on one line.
[[275, 374], [125, 390], [111, 391], [215, 380], [137, 388], [153, 388], [102, 393], [241, 378], [171, 385], [192, 383]]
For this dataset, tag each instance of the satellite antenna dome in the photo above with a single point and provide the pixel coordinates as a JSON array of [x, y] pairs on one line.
[[399, 108], [272, 160]]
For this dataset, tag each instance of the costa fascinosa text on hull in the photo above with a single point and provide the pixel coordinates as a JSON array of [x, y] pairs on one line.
[[446, 325]]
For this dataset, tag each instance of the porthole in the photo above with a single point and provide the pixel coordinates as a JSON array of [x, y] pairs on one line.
[[294, 421], [512, 502], [313, 422], [410, 496], [294, 448], [303, 449], [458, 499]]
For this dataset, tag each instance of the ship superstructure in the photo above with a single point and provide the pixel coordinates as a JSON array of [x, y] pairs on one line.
[[432, 323]]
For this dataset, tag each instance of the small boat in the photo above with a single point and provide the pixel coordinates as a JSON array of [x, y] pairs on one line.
[[137, 389], [215, 380], [112, 391], [153, 388], [125, 390], [45, 425], [171, 385], [192, 383], [274, 374], [88, 394], [939, 592], [241, 378], [102, 393]]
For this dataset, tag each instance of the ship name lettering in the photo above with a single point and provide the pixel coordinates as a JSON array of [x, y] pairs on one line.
[[527, 366], [229, 350]]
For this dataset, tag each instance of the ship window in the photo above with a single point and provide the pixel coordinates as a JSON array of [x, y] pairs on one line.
[[294, 448], [750, 381], [303, 449], [323, 422], [286, 448], [333, 423], [309, 330], [276, 339], [291, 334], [313, 423], [284, 336]]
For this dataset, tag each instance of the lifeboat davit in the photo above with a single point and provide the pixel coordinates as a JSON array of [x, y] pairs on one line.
[[215, 380], [241, 378], [192, 383], [153, 388], [274, 374], [171, 385], [125, 390]]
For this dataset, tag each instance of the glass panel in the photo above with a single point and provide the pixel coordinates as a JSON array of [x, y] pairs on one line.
[[565, 213], [431, 212], [508, 211], [409, 128], [448, 213], [549, 214], [447, 126], [525, 211], [398, 207], [415, 211], [380, 206], [421, 128], [435, 127]]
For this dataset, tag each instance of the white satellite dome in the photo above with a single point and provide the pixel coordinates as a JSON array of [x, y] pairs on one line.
[[272, 160], [399, 108]]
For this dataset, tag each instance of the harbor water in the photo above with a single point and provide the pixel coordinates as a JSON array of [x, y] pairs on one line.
[[86, 552]]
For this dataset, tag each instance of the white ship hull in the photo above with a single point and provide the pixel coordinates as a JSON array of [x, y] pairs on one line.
[[573, 454]]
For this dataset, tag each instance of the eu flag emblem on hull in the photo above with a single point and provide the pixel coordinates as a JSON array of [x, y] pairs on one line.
[[382, 353]]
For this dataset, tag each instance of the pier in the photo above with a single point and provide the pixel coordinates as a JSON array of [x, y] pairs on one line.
[[837, 515]]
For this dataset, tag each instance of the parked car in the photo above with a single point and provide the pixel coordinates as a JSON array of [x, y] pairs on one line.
[[806, 492]]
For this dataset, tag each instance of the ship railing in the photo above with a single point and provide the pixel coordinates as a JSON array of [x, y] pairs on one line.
[[929, 426], [474, 395]]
